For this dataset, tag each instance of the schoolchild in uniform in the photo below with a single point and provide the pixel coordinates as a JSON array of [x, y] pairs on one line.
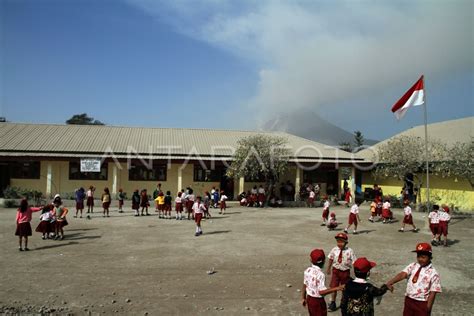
[[444, 218], [407, 218], [325, 210], [23, 226], [332, 223], [223, 204], [144, 204], [198, 210], [44, 225], [433, 221], [353, 217], [179, 206], [423, 283]]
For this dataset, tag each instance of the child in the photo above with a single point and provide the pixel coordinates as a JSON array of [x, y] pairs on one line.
[[44, 225], [358, 295], [144, 202], [313, 285], [386, 212], [105, 202], [179, 207], [433, 220], [373, 211], [408, 218], [444, 219], [155, 196], [136, 202], [121, 197], [190, 203], [90, 199], [325, 210], [223, 203], [167, 204], [160, 202], [198, 209], [60, 213], [207, 203], [340, 263], [347, 197], [379, 206], [423, 283], [353, 217], [261, 197], [23, 226], [215, 197], [80, 196], [332, 223]]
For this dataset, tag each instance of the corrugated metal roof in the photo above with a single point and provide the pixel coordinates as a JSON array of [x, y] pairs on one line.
[[82, 140], [449, 132]]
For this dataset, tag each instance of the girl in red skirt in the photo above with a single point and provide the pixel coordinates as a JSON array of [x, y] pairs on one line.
[[223, 202], [190, 203], [144, 202], [106, 199], [325, 210], [61, 213], [45, 226], [332, 223], [347, 197], [198, 209], [261, 196], [386, 212], [179, 207], [23, 226], [90, 199], [408, 218]]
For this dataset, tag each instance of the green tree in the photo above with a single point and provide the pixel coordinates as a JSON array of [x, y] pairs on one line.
[[358, 140], [260, 156], [83, 119], [458, 163]]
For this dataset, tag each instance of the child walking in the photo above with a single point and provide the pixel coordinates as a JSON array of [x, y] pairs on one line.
[[198, 209], [340, 258], [408, 218], [325, 210], [444, 218], [373, 211], [386, 212], [105, 202], [23, 226], [358, 295], [433, 220], [121, 197], [311, 198], [353, 217], [314, 288], [223, 204], [80, 196], [423, 283]]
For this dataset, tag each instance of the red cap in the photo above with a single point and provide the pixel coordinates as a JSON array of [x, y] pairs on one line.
[[423, 247], [317, 255], [363, 265], [333, 214], [342, 236]]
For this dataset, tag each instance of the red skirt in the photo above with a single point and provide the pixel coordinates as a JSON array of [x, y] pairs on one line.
[[23, 229], [352, 219], [310, 201], [80, 205], [223, 205], [325, 214], [179, 207], [105, 205], [386, 213], [90, 201], [189, 206], [44, 227], [332, 225], [198, 218], [135, 206], [316, 306], [443, 228], [408, 219], [261, 197], [415, 308], [378, 211], [434, 228]]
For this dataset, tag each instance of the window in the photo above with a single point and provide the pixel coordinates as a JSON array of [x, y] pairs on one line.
[[208, 175], [76, 174], [26, 170], [140, 172]]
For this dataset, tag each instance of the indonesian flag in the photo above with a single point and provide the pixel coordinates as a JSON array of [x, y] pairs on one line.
[[413, 97]]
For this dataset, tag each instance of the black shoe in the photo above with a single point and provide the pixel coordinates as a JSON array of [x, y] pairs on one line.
[[332, 306], [434, 243], [26, 249], [20, 249]]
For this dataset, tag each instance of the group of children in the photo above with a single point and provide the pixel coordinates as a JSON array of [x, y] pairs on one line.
[[423, 282], [255, 197], [52, 221], [381, 211]]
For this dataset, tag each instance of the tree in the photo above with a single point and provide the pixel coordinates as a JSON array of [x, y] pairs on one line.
[[83, 119], [358, 140], [260, 156], [458, 163], [405, 155]]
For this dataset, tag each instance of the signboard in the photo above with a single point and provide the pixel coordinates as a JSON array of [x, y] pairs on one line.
[[90, 165]]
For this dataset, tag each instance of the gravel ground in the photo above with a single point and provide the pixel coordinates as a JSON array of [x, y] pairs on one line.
[[248, 262]]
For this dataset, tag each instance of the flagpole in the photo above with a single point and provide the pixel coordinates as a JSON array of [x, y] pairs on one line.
[[426, 150]]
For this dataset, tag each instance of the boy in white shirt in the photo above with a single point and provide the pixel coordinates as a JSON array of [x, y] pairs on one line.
[[353, 217], [408, 218], [198, 208]]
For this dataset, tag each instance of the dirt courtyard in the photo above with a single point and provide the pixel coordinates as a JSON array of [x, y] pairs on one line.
[[146, 265]]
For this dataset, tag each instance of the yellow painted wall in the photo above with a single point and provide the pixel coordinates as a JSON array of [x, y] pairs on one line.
[[452, 191]]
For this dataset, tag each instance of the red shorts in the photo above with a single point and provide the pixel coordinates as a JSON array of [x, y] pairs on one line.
[[408, 219], [316, 306], [339, 277], [197, 218], [443, 228], [352, 219], [310, 201], [189, 206], [415, 308], [434, 228], [325, 214], [90, 201], [261, 197], [179, 207], [223, 205]]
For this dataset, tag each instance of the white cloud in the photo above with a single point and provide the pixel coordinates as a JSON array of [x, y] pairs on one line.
[[317, 53]]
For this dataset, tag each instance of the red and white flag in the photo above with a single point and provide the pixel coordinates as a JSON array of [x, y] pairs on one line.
[[413, 97]]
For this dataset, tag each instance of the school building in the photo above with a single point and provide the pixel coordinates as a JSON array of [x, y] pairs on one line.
[[61, 158], [450, 190]]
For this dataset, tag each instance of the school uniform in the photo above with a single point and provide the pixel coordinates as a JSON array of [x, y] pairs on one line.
[[190, 202], [178, 204], [386, 212], [373, 209], [44, 225], [434, 222], [23, 219], [90, 198], [444, 218], [314, 279], [408, 218], [353, 214], [105, 200], [332, 223], [325, 210], [121, 197], [198, 209], [61, 220], [341, 266], [261, 195], [135, 202], [223, 199], [311, 198], [80, 196], [421, 281]]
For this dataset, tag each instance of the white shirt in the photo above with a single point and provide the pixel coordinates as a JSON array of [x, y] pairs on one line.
[[45, 217], [348, 258], [428, 281], [386, 205], [199, 208], [312, 194], [223, 197], [261, 190], [314, 280], [190, 197], [178, 200], [326, 205], [443, 216], [407, 210], [355, 209], [253, 191], [89, 193], [434, 217]]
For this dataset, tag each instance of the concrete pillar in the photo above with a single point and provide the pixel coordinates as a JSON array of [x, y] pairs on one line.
[[49, 179], [180, 178], [241, 184], [352, 183], [114, 179], [299, 175]]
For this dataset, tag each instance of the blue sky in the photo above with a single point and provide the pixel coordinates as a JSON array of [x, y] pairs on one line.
[[231, 64]]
